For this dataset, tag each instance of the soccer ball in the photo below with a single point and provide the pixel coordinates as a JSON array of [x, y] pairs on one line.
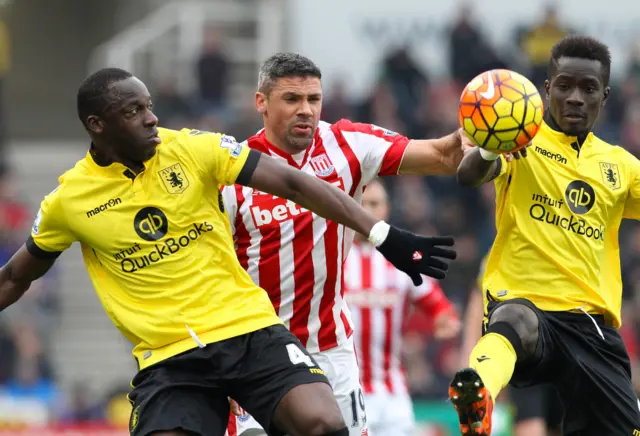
[[501, 111]]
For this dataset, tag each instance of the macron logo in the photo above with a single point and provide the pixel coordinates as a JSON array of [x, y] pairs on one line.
[[263, 216]]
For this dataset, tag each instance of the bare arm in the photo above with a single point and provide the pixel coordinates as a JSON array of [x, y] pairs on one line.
[[474, 170], [329, 202], [16, 276], [472, 326], [426, 157]]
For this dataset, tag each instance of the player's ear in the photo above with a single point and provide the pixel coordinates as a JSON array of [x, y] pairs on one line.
[[607, 91], [95, 124], [261, 102], [547, 85]]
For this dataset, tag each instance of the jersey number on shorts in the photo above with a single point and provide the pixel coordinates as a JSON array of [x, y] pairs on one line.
[[297, 356], [357, 399]]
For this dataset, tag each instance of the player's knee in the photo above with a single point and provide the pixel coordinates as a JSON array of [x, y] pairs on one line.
[[519, 324], [309, 410], [321, 424], [531, 427]]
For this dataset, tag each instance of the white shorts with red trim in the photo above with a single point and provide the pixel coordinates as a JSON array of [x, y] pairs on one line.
[[390, 414]]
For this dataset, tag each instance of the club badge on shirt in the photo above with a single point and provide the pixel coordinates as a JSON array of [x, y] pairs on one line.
[[610, 174], [321, 165]]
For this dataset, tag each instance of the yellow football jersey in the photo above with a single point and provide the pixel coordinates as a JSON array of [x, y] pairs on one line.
[[481, 271], [158, 246], [557, 216]]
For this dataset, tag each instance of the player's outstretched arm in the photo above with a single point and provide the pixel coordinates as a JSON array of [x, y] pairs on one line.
[[324, 199], [442, 156], [412, 254], [16, 276], [478, 167]]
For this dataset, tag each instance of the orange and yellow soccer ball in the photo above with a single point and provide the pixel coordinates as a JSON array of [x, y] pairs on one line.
[[501, 111]]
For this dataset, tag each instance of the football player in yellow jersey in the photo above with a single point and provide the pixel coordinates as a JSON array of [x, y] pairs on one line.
[[552, 286], [145, 206]]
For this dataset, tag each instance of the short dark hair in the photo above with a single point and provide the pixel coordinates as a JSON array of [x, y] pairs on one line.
[[285, 65], [582, 47], [92, 94]]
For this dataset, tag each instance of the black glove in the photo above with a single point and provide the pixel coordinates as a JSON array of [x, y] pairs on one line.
[[416, 255]]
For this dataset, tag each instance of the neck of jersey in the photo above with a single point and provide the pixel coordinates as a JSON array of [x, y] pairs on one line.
[[579, 139], [103, 162]]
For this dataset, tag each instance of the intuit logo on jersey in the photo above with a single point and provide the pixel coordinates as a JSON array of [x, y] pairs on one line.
[[579, 198], [122, 254], [553, 156], [95, 211], [161, 250]]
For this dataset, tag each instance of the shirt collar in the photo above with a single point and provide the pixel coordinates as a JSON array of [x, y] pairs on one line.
[[272, 149], [554, 130], [114, 169]]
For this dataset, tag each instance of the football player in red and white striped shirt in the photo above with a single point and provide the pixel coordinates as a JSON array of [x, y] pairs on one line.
[[296, 255], [379, 297]]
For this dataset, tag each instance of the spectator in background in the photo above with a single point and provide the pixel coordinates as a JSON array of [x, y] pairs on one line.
[[213, 70], [80, 408], [5, 67], [29, 324], [171, 108], [633, 71], [336, 105], [406, 81], [29, 391], [118, 407], [537, 41], [631, 128], [382, 108], [7, 353], [469, 52], [246, 122]]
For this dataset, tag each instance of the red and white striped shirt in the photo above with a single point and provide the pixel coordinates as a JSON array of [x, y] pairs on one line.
[[295, 255], [379, 297]]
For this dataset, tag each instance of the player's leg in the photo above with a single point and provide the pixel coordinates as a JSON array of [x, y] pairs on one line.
[[512, 335], [530, 410], [309, 409], [283, 388], [394, 417], [340, 365], [170, 398], [376, 411]]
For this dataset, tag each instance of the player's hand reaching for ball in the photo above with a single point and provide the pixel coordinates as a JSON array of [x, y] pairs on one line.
[[518, 154], [413, 254], [466, 143]]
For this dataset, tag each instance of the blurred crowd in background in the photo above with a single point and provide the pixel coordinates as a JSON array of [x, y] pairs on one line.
[[405, 99]]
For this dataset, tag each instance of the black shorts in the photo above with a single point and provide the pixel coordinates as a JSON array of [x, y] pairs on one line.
[[537, 402], [189, 391], [591, 372]]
